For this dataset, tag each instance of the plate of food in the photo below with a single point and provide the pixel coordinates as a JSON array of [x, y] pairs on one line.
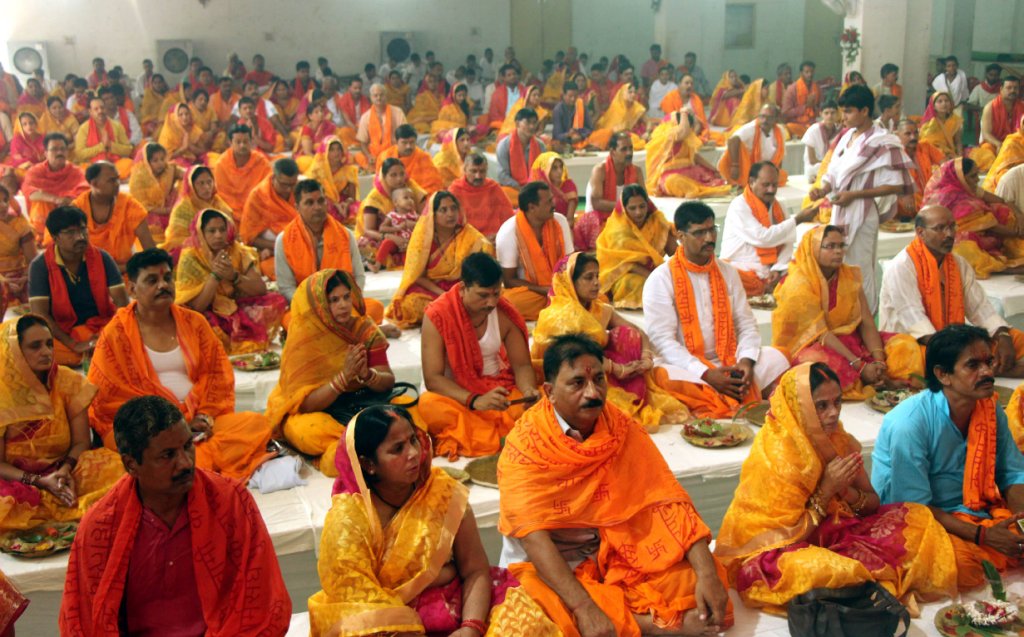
[[457, 474], [762, 302], [979, 618], [754, 413], [886, 399], [897, 226], [710, 433], [256, 362], [39, 541], [484, 471]]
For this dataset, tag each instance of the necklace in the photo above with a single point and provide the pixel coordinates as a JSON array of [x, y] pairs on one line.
[[394, 506]]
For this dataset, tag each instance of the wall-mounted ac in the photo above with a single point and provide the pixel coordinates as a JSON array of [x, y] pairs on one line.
[[26, 57], [397, 45], [172, 59]]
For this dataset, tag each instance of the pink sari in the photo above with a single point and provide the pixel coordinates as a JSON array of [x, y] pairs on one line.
[[948, 188]]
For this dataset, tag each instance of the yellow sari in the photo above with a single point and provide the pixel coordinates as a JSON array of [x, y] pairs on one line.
[[316, 349], [553, 87], [774, 547], [174, 136], [1011, 154], [154, 192], [448, 161], [640, 397], [621, 245], [941, 135], [185, 210], [619, 117], [425, 109], [672, 170], [809, 306], [377, 578], [334, 182], [748, 108], [205, 121], [442, 264], [35, 421], [509, 125]]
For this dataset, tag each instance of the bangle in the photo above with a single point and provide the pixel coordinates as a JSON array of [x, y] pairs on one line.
[[339, 385], [981, 535], [977, 535], [29, 478], [474, 624], [470, 400], [862, 499]]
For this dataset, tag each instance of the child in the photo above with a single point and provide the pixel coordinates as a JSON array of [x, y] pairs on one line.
[[397, 229]]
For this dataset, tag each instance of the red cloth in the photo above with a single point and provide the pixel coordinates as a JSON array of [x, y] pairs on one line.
[[499, 103], [486, 206], [236, 571], [60, 303], [1003, 124], [262, 78], [518, 162], [347, 105]]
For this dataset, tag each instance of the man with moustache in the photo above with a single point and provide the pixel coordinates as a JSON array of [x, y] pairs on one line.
[[603, 548], [950, 449], [709, 350], [154, 347], [484, 202], [51, 183], [926, 287], [171, 549]]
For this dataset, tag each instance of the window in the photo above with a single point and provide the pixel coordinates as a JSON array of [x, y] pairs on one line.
[[739, 26]]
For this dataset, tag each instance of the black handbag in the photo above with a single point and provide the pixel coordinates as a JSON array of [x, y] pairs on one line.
[[867, 610], [347, 405]]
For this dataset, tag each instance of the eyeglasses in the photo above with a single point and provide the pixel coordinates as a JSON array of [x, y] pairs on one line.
[[949, 228], [74, 232], [704, 233]]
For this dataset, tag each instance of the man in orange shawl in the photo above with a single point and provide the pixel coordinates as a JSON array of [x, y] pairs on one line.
[[710, 356], [529, 246], [268, 209], [418, 165], [802, 101], [313, 241], [54, 182], [783, 79], [755, 141], [683, 96], [377, 126], [950, 449], [239, 170], [223, 101], [507, 92], [926, 288], [925, 159], [350, 107], [229, 584], [517, 152], [599, 545], [76, 287], [154, 347], [476, 363], [116, 219], [999, 118], [103, 139], [607, 179], [481, 198]]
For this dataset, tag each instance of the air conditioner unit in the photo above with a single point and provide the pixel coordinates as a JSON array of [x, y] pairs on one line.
[[26, 57], [397, 45], [172, 59]]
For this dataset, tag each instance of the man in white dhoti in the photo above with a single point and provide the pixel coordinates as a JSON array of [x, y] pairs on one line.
[[868, 173]]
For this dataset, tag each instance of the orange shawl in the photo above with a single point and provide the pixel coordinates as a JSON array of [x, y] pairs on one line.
[[418, 166], [926, 159], [221, 107], [300, 251], [234, 183], [802, 93], [518, 165], [538, 261], [265, 210], [66, 182], [768, 256], [980, 490], [629, 176], [236, 571], [486, 206], [686, 306], [930, 282], [1003, 124], [674, 102], [117, 234], [121, 369], [381, 133], [462, 349], [60, 302]]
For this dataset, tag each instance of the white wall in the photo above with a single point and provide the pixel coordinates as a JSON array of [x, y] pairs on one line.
[[998, 26], [285, 31], [610, 27]]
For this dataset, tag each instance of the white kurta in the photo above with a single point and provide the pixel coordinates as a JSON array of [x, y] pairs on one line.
[[506, 242], [814, 138], [958, 88], [743, 234], [901, 308], [1011, 186], [666, 332], [751, 131]]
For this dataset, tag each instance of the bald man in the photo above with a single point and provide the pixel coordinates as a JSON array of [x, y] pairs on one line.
[[378, 125]]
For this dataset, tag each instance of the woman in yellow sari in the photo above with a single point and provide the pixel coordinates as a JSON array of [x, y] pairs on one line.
[[624, 113], [333, 350], [286, 103], [390, 176], [823, 316], [400, 553], [635, 240], [805, 515], [426, 107], [333, 167], [455, 111], [754, 97], [17, 249], [433, 260], [1011, 154], [532, 99], [725, 98], [941, 126], [58, 119], [182, 138], [552, 93], [198, 192], [455, 145], [550, 169], [47, 470], [212, 138], [152, 182], [576, 308], [220, 278], [675, 167]]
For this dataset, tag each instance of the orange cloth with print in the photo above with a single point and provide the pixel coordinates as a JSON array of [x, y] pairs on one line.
[[646, 524], [702, 399], [117, 234], [122, 370], [456, 429], [418, 167], [237, 576], [751, 156], [538, 260], [234, 183], [69, 181], [942, 291]]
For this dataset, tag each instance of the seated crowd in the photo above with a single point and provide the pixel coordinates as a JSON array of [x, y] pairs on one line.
[[161, 238]]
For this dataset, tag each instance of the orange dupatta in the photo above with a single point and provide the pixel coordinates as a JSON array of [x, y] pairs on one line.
[[117, 234], [234, 183], [381, 134], [802, 93], [152, 191], [609, 188], [1003, 124], [300, 251], [538, 261], [265, 210], [686, 306], [980, 490], [930, 282], [768, 256]]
